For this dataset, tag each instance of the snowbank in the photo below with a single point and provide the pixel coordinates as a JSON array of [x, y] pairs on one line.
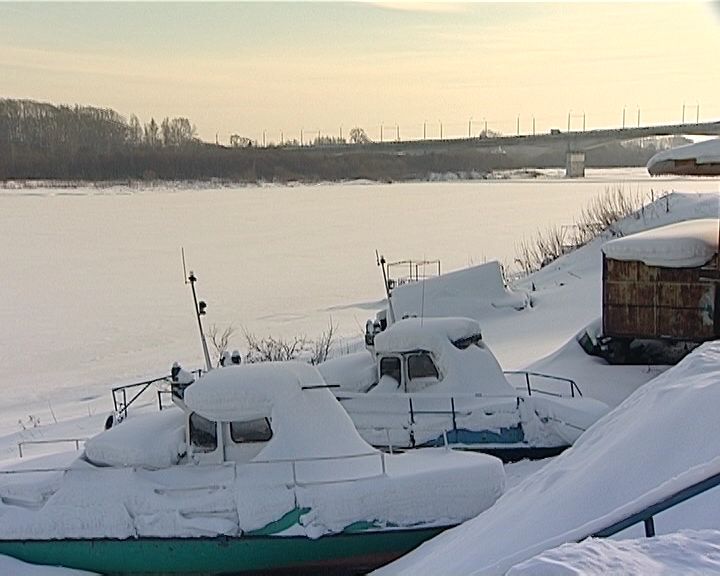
[[651, 445], [685, 553], [682, 245]]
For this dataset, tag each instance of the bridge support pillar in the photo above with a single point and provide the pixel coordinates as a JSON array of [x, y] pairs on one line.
[[575, 165]]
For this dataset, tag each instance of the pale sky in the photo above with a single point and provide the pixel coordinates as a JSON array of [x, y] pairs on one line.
[[247, 67]]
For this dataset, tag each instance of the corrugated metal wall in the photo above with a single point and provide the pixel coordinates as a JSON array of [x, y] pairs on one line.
[[649, 302]]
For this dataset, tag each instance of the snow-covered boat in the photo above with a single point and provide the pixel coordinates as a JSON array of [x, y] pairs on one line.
[[259, 470], [427, 382]]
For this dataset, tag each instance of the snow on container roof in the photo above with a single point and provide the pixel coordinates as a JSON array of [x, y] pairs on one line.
[[682, 245], [425, 334], [702, 152], [306, 423]]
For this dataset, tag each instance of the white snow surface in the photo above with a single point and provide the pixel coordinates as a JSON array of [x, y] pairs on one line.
[[703, 152], [653, 444], [681, 245], [127, 444], [424, 333], [685, 553]]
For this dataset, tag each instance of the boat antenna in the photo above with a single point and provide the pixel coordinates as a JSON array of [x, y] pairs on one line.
[[422, 299], [182, 252], [381, 262], [199, 312]]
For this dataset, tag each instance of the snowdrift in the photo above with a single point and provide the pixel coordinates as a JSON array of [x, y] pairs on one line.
[[687, 553], [653, 444]]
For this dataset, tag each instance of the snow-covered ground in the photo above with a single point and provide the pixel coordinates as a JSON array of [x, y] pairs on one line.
[[647, 445]]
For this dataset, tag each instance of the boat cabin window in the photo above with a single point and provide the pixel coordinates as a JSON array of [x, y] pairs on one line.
[[257, 430], [203, 433], [421, 365], [390, 366]]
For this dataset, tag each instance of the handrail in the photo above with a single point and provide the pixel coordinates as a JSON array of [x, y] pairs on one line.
[[49, 441], [528, 373], [292, 461], [121, 406], [647, 514]]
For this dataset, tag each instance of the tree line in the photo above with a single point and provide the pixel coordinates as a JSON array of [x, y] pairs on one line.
[[44, 141]]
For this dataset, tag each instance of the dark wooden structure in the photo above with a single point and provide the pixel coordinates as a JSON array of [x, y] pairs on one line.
[[651, 302]]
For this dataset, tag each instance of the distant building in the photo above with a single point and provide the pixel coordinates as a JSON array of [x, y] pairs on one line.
[[700, 159]]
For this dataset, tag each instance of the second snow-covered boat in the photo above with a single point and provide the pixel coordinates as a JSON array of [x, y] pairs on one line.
[[432, 381]]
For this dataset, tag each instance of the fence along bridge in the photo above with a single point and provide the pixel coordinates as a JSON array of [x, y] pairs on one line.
[[574, 143]]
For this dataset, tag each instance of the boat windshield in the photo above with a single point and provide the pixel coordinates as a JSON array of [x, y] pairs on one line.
[[257, 430], [203, 433]]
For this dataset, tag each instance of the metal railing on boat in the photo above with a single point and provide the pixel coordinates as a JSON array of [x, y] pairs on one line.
[[76, 441]]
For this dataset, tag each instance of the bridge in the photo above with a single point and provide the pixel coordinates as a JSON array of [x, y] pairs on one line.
[[574, 143]]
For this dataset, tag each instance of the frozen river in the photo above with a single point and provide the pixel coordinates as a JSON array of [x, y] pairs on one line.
[[92, 287]]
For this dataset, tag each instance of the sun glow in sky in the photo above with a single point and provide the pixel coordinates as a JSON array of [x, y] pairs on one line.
[[324, 67]]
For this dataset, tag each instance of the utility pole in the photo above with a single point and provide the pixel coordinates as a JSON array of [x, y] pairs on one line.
[[518, 125], [440, 129], [623, 125], [425, 130]]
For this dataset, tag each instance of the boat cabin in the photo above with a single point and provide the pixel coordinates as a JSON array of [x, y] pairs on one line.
[[236, 412], [417, 353]]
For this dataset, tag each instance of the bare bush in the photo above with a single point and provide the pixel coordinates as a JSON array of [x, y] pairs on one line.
[[601, 214], [322, 345], [220, 341], [271, 349]]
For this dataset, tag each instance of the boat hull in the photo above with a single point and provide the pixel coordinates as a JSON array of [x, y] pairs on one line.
[[355, 553]]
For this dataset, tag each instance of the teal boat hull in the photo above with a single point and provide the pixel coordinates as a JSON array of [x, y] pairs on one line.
[[344, 553]]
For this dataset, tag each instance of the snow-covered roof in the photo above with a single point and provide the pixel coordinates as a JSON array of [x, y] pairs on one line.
[[702, 152], [682, 245], [306, 423], [424, 334]]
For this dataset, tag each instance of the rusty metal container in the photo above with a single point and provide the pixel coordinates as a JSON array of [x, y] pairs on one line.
[[641, 301]]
